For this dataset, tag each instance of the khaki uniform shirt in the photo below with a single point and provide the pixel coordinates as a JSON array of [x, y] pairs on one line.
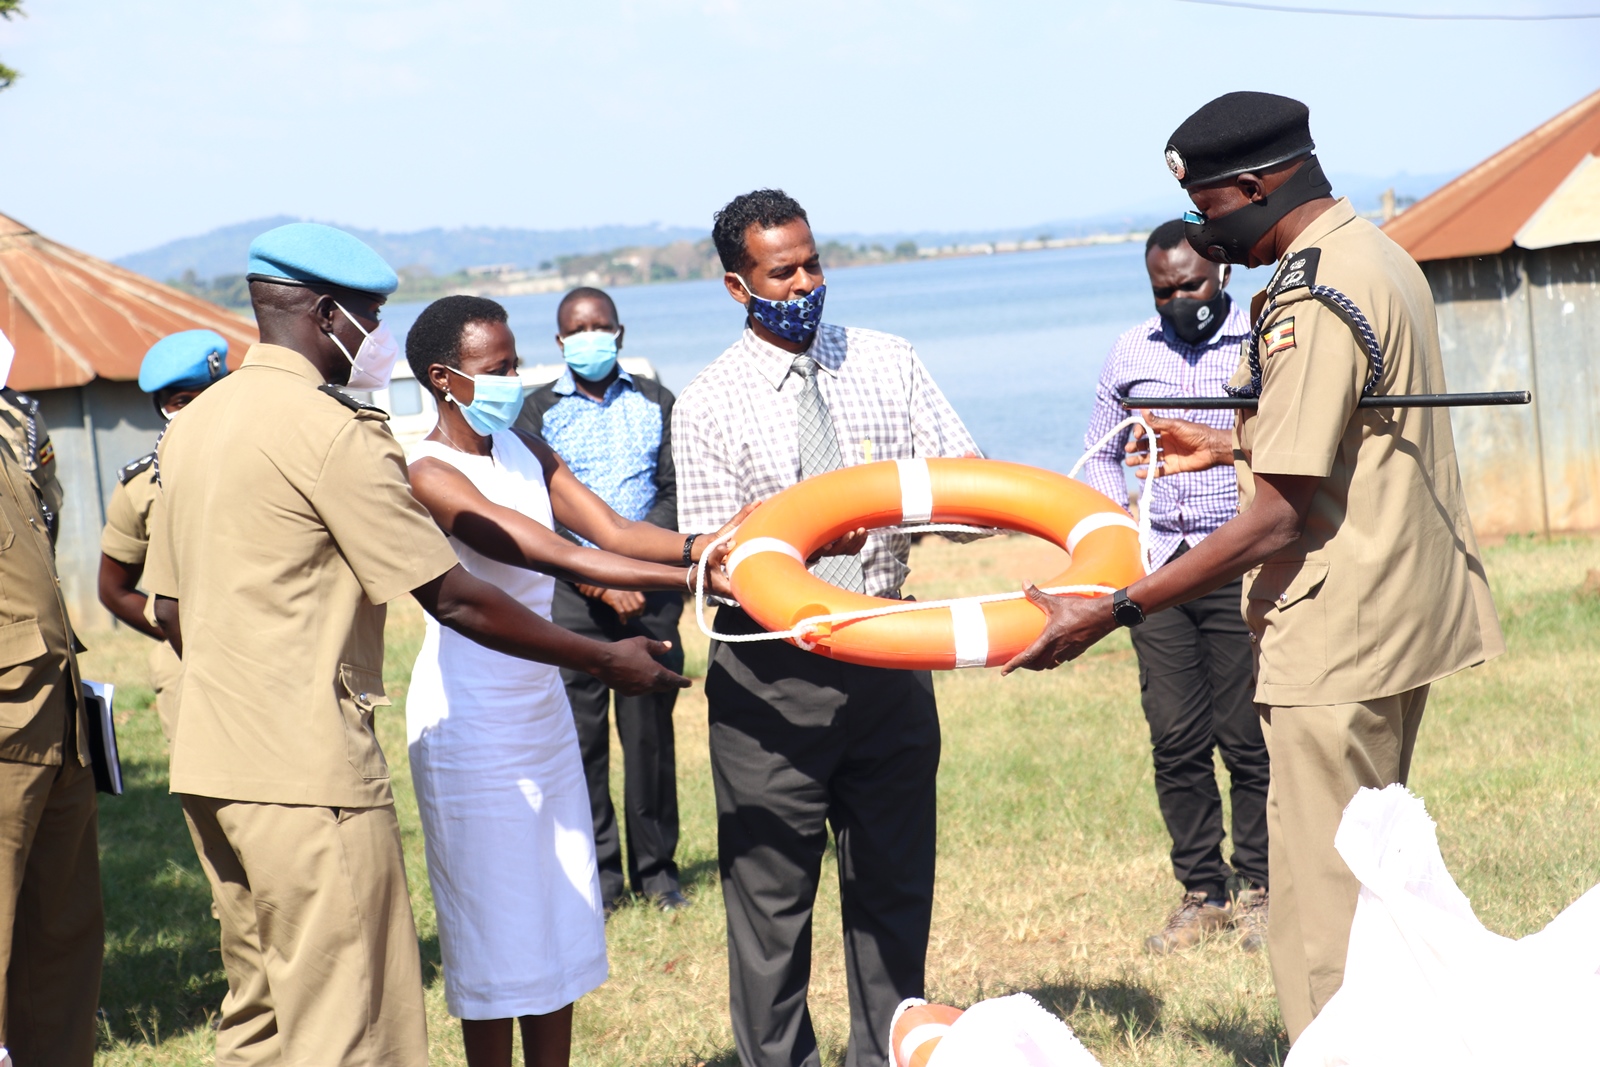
[[23, 428], [126, 537], [286, 522], [1384, 591], [38, 671]]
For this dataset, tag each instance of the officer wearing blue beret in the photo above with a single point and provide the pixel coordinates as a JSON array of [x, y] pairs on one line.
[[175, 370], [285, 525]]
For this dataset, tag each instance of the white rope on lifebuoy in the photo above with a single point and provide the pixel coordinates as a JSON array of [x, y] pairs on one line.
[[959, 607]]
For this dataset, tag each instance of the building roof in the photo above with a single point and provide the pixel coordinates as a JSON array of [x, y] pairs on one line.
[[1536, 193], [74, 318]]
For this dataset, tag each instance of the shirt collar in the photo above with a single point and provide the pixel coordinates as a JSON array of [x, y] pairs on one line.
[[1323, 225], [565, 386], [828, 348], [279, 358]]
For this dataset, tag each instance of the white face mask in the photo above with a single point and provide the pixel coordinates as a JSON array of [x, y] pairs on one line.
[[373, 364]]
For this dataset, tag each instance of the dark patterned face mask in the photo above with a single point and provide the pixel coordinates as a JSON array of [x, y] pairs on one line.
[[792, 320]]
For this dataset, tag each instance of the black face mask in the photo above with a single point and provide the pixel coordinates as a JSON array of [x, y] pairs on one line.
[[1230, 238], [1194, 321]]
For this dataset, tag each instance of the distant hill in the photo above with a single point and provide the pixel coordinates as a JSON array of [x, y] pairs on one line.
[[224, 251]]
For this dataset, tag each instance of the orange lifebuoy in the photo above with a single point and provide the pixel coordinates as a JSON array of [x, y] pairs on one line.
[[917, 1029], [769, 577]]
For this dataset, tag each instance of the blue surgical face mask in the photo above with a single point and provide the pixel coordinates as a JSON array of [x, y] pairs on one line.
[[591, 354], [496, 402], [792, 320]]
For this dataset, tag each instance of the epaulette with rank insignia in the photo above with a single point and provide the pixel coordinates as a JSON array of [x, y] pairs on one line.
[[128, 472], [1300, 272], [349, 401]]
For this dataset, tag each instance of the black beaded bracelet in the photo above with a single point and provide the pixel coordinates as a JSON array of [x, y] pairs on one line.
[[688, 549]]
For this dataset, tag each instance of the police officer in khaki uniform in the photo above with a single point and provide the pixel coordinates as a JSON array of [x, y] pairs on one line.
[[23, 429], [286, 522], [1363, 583], [175, 371], [52, 929]]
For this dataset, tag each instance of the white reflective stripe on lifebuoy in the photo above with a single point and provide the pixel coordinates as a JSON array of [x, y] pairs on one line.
[[759, 545], [1098, 521], [921, 1035], [916, 490], [972, 633]]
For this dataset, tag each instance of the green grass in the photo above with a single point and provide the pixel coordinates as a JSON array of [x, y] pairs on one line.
[[1052, 859]]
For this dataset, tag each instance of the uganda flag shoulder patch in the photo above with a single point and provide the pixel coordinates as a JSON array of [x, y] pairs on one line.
[[1281, 337]]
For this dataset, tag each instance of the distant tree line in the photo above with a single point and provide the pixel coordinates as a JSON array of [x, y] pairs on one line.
[[640, 265]]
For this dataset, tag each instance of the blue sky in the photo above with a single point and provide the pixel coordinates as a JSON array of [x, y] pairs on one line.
[[134, 124]]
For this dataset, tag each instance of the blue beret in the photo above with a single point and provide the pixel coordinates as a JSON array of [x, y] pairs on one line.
[[312, 252], [192, 359]]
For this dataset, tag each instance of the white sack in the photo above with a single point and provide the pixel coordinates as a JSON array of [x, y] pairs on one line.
[[1012, 1031], [1425, 983]]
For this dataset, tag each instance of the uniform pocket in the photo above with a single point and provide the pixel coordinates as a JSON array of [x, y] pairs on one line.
[[1285, 609], [362, 694], [20, 644]]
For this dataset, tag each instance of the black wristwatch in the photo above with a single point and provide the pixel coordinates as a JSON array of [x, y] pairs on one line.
[[688, 549], [1125, 611]]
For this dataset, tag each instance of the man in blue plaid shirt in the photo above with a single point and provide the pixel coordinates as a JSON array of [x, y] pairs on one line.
[[1196, 674]]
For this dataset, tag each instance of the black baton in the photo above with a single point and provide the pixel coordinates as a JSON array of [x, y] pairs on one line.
[[1412, 400]]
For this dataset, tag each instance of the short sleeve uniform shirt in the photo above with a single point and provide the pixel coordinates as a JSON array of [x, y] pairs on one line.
[[1384, 591], [126, 536], [286, 524]]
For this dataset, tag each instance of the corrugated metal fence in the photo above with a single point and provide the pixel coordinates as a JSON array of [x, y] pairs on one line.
[[1526, 320]]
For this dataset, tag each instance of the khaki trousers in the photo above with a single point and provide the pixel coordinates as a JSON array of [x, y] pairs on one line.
[[166, 670], [317, 936], [52, 928], [1320, 757]]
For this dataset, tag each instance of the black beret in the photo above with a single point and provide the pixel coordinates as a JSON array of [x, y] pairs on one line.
[[1238, 132]]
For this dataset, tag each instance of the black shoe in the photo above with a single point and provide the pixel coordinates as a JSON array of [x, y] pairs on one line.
[[610, 907], [670, 901]]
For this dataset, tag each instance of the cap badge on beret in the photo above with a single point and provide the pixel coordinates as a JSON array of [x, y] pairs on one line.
[[1175, 163]]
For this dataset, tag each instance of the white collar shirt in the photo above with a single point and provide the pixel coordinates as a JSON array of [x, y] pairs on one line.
[[735, 428]]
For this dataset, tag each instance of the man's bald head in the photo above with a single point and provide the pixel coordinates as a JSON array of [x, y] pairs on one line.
[[586, 308]]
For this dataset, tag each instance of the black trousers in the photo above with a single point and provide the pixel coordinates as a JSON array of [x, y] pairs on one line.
[[1197, 685], [649, 761], [800, 743]]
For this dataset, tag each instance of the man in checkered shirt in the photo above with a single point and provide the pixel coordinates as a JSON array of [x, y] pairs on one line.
[[1196, 670], [800, 742]]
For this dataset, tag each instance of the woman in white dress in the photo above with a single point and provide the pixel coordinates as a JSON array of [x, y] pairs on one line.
[[494, 751]]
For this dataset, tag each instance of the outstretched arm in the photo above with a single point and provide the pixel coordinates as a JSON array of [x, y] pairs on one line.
[[511, 537], [487, 615], [1273, 522]]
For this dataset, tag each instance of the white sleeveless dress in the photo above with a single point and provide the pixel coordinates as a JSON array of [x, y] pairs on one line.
[[500, 785]]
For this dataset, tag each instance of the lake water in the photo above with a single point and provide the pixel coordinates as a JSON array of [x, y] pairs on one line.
[[1016, 340]]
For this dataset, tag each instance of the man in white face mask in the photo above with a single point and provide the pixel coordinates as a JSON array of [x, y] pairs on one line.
[[286, 524]]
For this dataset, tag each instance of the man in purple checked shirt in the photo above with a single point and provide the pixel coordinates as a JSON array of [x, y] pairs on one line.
[[1195, 663]]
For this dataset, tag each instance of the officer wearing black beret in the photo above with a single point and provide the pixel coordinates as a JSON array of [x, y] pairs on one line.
[[1362, 580]]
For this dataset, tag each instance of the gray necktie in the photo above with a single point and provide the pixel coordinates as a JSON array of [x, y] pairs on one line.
[[819, 453]]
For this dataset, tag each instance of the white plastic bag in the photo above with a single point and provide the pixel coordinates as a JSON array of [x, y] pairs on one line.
[[1425, 983], [1012, 1031]]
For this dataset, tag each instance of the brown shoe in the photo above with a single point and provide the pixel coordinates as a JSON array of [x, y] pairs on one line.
[[1193, 922], [1250, 918]]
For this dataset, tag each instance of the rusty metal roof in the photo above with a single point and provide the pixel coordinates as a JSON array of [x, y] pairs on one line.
[[74, 318], [1482, 212]]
